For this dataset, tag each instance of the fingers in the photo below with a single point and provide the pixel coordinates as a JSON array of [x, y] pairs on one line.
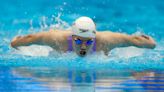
[[148, 38], [14, 41], [15, 38], [150, 41], [145, 36]]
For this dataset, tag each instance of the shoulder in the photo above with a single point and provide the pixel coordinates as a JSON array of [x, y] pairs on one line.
[[110, 35], [102, 35], [63, 34], [60, 32], [56, 33], [105, 37], [102, 38]]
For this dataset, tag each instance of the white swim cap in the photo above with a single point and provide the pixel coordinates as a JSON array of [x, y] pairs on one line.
[[84, 27]]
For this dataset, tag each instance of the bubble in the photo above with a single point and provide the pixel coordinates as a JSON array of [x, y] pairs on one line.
[[34, 50], [64, 3]]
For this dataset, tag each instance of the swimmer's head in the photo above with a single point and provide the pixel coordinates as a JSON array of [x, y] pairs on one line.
[[82, 45], [84, 32], [84, 27]]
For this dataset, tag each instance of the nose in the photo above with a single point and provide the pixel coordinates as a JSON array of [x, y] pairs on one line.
[[83, 46]]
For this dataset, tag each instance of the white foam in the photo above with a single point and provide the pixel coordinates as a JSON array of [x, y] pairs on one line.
[[127, 52], [34, 50]]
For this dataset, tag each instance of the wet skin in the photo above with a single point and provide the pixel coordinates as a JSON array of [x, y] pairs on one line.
[[105, 41]]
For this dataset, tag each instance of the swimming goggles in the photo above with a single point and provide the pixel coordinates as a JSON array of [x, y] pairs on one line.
[[79, 42]]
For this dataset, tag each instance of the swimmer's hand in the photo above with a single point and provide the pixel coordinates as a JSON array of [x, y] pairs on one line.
[[14, 42], [143, 41], [25, 40]]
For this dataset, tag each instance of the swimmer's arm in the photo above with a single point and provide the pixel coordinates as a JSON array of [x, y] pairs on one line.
[[27, 40], [123, 40]]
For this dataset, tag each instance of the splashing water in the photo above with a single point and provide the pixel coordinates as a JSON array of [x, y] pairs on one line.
[[38, 67], [119, 58], [60, 24]]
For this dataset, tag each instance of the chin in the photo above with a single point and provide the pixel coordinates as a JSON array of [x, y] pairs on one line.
[[82, 55]]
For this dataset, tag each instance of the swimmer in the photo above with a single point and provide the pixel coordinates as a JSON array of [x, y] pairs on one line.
[[83, 39]]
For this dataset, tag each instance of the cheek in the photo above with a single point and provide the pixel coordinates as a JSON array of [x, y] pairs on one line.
[[92, 46], [89, 47], [77, 47]]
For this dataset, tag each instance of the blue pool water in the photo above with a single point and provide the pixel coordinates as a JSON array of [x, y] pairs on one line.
[[39, 69]]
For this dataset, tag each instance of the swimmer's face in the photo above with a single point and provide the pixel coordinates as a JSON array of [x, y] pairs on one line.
[[82, 45]]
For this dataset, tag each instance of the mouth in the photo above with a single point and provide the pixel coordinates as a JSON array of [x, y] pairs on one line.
[[83, 53]]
